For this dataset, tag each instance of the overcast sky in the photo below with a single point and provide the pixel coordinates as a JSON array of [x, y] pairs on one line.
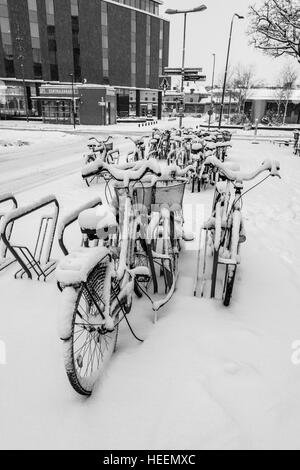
[[208, 32]]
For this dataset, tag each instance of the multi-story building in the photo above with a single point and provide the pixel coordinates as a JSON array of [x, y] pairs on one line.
[[117, 43]]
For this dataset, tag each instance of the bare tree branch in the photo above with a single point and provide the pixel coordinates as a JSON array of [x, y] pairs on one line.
[[275, 27]]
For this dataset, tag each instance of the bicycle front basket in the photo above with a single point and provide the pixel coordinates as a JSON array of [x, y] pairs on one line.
[[170, 193]]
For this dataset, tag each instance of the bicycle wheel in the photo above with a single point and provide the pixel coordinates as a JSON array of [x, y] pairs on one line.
[[232, 243], [90, 345], [174, 247], [228, 285]]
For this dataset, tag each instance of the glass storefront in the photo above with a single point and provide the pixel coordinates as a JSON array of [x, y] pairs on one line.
[[12, 103], [59, 111]]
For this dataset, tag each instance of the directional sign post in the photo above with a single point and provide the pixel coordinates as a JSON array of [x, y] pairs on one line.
[[194, 78], [178, 71], [187, 75], [190, 74]]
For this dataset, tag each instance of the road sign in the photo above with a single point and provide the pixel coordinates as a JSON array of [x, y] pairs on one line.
[[170, 71], [165, 82], [196, 71], [194, 78], [178, 71]]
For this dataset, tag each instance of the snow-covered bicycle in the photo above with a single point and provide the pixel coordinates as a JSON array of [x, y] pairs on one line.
[[225, 230], [98, 283]]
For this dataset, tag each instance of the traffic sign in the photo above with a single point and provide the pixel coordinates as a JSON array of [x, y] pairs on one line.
[[194, 78], [170, 71], [165, 82], [196, 71], [178, 71]]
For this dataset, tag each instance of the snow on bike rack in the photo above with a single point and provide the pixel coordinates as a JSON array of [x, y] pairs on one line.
[[5, 261], [71, 218], [36, 264]]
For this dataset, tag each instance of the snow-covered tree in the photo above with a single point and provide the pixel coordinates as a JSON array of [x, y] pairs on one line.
[[275, 27], [284, 88]]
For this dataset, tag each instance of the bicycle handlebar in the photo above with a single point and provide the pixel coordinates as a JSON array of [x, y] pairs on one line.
[[272, 166], [175, 171], [136, 141], [135, 173], [101, 142]]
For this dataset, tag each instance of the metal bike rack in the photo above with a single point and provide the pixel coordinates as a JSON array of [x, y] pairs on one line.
[[32, 264], [71, 219], [5, 262]]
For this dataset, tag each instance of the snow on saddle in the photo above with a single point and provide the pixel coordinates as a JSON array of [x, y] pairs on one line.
[[99, 222]]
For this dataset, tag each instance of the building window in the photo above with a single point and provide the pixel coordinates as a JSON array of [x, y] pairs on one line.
[[146, 5], [148, 51], [6, 39], [133, 49], [75, 36], [52, 46], [35, 39], [104, 29], [161, 47]]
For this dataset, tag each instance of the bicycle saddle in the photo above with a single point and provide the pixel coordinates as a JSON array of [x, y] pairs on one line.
[[197, 147], [211, 145], [97, 218]]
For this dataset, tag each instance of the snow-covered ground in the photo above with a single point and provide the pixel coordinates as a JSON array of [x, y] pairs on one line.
[[206, 377]]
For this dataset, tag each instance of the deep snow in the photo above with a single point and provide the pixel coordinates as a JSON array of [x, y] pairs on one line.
[[206, 377]]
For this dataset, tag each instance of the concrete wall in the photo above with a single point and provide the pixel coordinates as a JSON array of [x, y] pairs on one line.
[[154, 64], [19, 21], [140, 50], [119, 45], [41, 10], [64, 41]]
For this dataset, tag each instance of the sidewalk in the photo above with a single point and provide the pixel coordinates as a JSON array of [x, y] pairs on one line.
[[134, 129], [120, 128]]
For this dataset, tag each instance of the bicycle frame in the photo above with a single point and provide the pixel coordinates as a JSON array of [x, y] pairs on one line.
[[227, 226]]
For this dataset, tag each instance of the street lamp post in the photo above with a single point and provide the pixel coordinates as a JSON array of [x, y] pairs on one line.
[[185, 13], [226, 68], [212, 90], [73, 101], [230, 100]]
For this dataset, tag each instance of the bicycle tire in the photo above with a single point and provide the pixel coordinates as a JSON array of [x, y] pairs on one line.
[[228, 285], [86, 322]]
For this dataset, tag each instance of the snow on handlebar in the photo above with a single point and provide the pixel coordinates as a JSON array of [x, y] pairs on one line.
[[272, 166], [123, 175], [176, 171]]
